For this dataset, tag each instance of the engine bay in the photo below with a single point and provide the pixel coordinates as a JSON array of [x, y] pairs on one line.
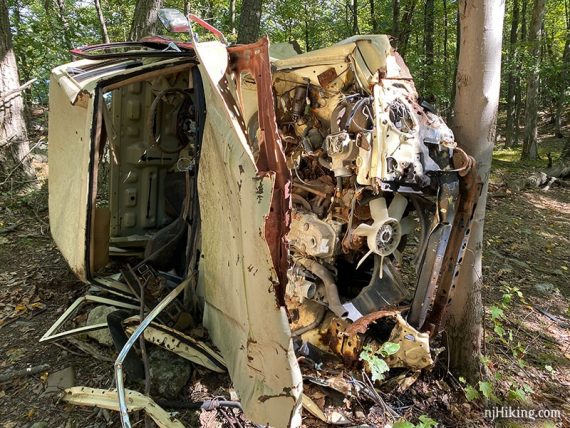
[[374, 184]]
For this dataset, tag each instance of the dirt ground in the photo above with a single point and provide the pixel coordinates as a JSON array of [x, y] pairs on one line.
[[527, 323]]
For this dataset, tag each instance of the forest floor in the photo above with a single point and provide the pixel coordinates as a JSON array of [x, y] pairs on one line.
[[526, 290]]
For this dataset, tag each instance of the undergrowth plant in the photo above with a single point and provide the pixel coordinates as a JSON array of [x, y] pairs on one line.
[[374, 358]]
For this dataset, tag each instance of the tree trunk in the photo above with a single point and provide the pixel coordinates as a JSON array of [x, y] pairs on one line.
[[478, 82], [145, 19], [249, 21], [14, 147], [523, 22], [566, 150], [428, 49], [373, 17], [104, 32], [530, 145], [396, 22], [511, 99], [354, 7], [405, 28], [455, 63], [233, 17], [561, 101], [519, 94]]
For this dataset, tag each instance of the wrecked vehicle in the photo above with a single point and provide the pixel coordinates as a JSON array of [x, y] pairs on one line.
[[286, 204]]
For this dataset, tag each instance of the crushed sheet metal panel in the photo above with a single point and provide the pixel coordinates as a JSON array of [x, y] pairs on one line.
[[236, 270]]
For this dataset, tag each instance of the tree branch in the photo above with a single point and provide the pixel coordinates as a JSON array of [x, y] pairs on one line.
[[17, 90]]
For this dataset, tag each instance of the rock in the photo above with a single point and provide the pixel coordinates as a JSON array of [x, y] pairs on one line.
[[544, 287], [40, 425], [98, 315], [60, 380], [169, 373]]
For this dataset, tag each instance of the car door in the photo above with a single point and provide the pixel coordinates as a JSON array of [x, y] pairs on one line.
[[240, 265]]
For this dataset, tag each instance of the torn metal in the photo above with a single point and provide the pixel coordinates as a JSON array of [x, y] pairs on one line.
[[108, 399], [311, 204]]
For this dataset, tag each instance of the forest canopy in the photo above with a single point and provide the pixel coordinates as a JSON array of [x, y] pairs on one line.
[[425, 33]]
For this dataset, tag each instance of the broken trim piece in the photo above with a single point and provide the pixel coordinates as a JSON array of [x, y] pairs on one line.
[[107, 399], [49, 335], [334, 419], [185, 346]]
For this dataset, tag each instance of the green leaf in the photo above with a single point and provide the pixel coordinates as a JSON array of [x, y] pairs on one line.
[[378, 368], [376, 364], [517, 394], [499, 330], [471, 393], [549, 369], [495, 312], [389, 348], [403, 424], [462, 379], [426, 422], [486, 389]]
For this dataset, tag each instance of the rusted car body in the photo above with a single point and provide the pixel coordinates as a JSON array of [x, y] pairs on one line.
[[295, 200]]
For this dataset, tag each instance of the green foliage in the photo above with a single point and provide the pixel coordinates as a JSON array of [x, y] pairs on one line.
[[504, 334], [37, 24], [403, 424], [471, 393], [375, 359], [424, 421], [486, 389]]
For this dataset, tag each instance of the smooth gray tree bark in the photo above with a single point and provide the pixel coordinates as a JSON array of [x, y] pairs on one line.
[[249, 21], [511, 79], [145, 19], [564, 81], [476, 104], [14, 146], [530, 143]]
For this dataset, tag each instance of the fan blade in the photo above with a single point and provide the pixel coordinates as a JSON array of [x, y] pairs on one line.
[[378, 209], [364, 258], [398, 256], [397, 206], [381, 266], [363, 230], [407, 225]]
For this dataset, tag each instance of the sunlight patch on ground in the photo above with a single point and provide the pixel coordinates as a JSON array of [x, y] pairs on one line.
[[547, 203]]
